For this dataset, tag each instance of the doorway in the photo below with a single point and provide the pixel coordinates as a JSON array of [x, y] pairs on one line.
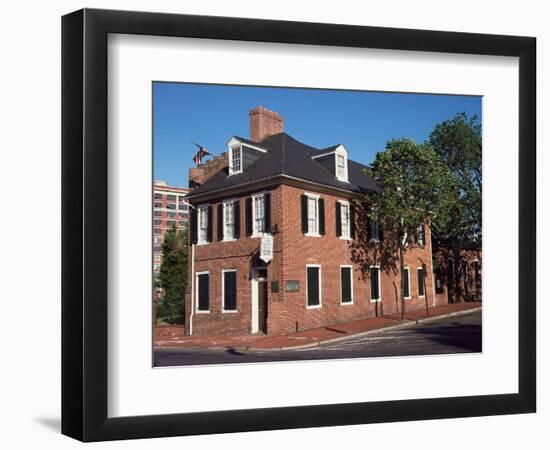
[[259, 300]]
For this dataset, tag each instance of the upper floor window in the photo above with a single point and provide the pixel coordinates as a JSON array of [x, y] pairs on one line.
[[236, 160], [313, 215], [203, 224], [341, 164], [258, 207], [229, 220], [345, 218], [374, 230]]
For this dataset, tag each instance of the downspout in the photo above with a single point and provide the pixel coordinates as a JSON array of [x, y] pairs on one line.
[[432, 264]]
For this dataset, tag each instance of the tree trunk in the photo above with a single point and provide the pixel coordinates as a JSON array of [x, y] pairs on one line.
[[424, 269], [401, 271]]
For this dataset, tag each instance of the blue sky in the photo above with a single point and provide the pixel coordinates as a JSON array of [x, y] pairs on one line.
[[362, 121]]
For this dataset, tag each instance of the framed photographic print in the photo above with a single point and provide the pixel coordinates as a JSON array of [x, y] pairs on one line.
[[273, 224]]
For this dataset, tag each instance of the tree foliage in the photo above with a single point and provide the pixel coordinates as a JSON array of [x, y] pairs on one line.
[[415, 185], [173, 276]]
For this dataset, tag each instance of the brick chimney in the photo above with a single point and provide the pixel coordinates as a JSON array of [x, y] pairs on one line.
[[264, 123]]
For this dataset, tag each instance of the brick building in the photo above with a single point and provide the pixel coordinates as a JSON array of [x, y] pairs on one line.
[[304, 198], [169, 209]]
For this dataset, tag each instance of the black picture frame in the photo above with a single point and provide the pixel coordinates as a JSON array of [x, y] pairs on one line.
[[84, 224]]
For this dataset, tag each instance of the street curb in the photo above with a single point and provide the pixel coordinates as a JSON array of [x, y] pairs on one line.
[[409, 324]]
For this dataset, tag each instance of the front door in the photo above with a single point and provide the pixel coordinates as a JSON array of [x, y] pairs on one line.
[[262, 301]]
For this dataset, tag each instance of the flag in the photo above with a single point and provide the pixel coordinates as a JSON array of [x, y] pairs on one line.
[[197, 159]]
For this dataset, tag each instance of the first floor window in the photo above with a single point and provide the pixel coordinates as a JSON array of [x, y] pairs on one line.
[[406, 284], [421, 292], [313, 286], [374, 283], [346, 284], [203, 288], [203, 224], [229, 290]]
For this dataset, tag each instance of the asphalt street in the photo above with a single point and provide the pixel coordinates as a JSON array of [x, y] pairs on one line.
[[458, 334]]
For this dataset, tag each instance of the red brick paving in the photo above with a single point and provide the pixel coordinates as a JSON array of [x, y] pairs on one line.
[[308, 337]]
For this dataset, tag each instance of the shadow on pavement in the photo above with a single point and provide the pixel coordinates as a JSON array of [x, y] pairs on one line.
[[464, 336]]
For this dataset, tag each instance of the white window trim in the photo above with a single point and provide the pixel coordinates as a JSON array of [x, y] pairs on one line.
[[320, 305], [315, 197], [225, 203], [345, 203], [379, 299], [227, 311], [422, 269], [409, 279], [230, 159], [342, 285], [197, 310], [199, 208], [255, 233], [341, 151]]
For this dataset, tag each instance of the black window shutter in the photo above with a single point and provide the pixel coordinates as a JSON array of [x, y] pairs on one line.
[[312, 286], [321, 216], [420, 281], [193, 225], [248, 216], [345, 275], [374, 274], [338, 219], [304, 214], [209, 229], [267, 212], [406, 282], [423, 233], [380, 232], [237, 219], [230, 291], [220, 222], [204, 301], [352, 220], [369, 231]]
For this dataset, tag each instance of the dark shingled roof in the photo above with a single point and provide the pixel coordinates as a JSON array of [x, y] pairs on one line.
[[287, 156]]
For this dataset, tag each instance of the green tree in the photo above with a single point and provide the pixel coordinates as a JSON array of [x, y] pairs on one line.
[[415, 185], [458, 142], [173, 276]]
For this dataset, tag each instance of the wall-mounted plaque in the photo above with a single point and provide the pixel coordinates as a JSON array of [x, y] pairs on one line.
[[292, 286]]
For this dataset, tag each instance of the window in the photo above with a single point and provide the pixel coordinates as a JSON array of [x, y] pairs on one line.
[[158, 214], [258, 207], [203, 292], [171, 214], [203, 224], [340, 167], [158, 196], [157, 222], [374, 284], [346, 284], [406, 283], [374, 231], [421, 282], [158, 205], [312, 215], [236, 163], [229, 220], [170, 223], [229, 290], [171, 206], [170, 198], [345, 218], [421, 235], [313, 286]]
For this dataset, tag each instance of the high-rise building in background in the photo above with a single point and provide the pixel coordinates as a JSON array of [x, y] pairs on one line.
[[169, 209]]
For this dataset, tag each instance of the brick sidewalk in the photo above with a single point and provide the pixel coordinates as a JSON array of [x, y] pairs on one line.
[[311, 337]]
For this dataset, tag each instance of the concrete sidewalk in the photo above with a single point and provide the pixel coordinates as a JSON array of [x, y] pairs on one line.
[[315, 336]]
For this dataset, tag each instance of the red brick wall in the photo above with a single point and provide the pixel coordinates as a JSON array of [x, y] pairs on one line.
[[287, 311]]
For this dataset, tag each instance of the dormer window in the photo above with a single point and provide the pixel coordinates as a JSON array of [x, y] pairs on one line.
[[236, 160], [341, 164]]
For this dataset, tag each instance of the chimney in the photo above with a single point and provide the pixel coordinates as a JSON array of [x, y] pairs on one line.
[[264, 123]]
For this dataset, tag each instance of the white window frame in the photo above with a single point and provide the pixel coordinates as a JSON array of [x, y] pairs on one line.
[[379, 299], [342, 285], [228, 311], [255, 231], [197, 310], [341, 151], [228, 204], [315, 197], [320, 304], [409, 280], [345, 204], [232, 170], [199, 223], [422, 269]]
